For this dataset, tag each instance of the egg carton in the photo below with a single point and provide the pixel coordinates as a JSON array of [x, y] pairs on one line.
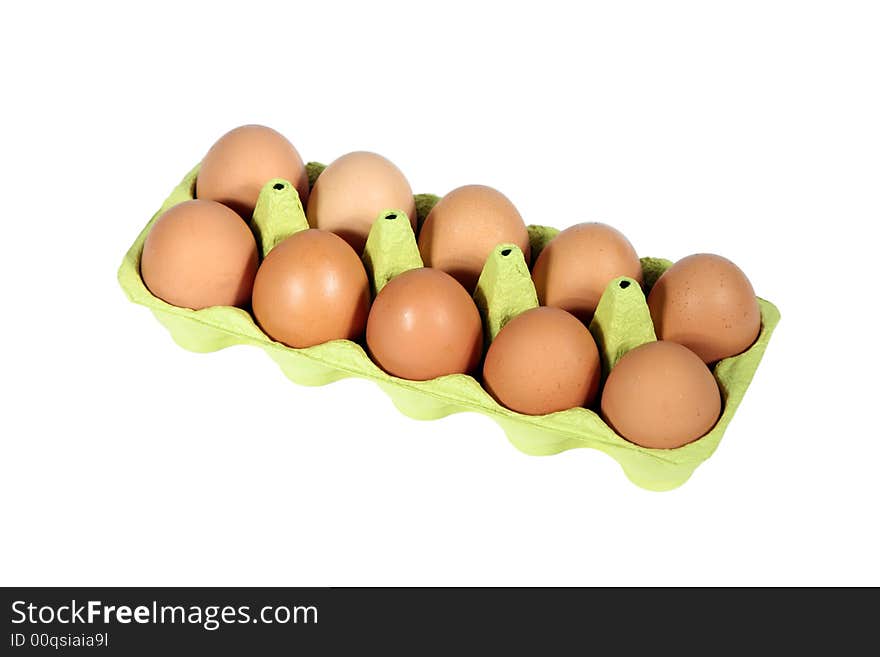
[[504, 290]]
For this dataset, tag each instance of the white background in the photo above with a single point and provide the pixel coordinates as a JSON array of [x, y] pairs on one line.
[[746, 129]]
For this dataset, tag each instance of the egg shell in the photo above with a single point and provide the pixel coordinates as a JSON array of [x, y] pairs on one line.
[[661, 395], [542, 361], [424, 324], [706, 303], [353, 190], [200, 254], [243, 160], [573, 270], [461, 230], [312, 288]]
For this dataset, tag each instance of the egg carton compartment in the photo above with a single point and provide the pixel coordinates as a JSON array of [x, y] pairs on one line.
[[504, 290]]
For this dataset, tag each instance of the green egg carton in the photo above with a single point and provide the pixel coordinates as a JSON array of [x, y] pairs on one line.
[[505, 289]]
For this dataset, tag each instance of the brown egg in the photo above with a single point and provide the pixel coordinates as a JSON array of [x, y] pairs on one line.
[[352, 191], [422, 325], [576, 266], [464, 227], [242, 161], [543, 361], [200, 254], [310, 289], [706, 303], [661, 395]]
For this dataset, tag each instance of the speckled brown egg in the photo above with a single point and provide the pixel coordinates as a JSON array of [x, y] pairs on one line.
[[242, 161], [542, 361], [706, 303], [310, 289], [464, 226], [574, 269], [352, 191], [200, 254], [661, 395], [424, 324]]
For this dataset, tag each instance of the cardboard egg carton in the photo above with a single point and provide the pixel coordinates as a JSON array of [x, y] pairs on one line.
[[504, 290]]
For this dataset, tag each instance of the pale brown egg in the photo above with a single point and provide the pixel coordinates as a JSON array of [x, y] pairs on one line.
[[661, 395], [574, 269], [200, 254], [706, 303], [424, 324], [543, 360], [464, 226], [310, 289], [242, 161], [352, 191]]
